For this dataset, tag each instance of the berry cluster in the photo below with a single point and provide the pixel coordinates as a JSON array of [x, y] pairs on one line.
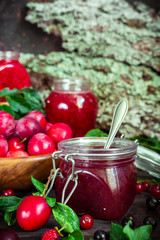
[[148, 220], [145, 186], [31, 135], [8, 192]]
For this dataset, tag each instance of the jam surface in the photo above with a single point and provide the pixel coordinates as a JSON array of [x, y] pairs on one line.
[[103, 192], [77, 109], [13, 75]]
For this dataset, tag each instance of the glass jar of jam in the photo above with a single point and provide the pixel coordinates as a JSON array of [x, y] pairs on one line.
[[73, 103], [106, 178], [12, 73]]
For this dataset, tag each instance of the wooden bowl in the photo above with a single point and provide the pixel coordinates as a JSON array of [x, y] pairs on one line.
[[16, 173]]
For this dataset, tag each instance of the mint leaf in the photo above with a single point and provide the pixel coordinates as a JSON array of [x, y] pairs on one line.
[[37, 194], [32, 92], [33, 102], [37, 184], [51, 201], [8, 109], [129, 231], [7, 92], [75, 235], [68, 238], [96, 133], [18, 104], [21, 101], [141, 233], [66, 217], [10, 203], [116, 232], [10, 217]]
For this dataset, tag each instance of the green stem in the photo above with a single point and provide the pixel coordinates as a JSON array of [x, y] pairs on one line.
[[149, 180], [146, 180]]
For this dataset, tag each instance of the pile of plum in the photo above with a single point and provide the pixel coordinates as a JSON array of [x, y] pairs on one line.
[[31, 135]]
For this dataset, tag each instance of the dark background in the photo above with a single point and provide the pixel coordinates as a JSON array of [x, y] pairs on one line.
[[17, 34]]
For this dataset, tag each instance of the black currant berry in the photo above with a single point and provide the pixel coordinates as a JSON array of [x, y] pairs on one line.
[[6, 233], [150, 221], [101, 235], [125, 220], [152, 202]]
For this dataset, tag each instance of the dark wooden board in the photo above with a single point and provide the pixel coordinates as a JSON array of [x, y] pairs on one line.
[[138, 210]]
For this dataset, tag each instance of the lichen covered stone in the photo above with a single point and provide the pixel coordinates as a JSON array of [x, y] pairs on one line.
[[111, 81]]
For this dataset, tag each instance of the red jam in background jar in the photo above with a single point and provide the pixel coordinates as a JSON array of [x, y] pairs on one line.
[[12, 73], [73, 103], [106, 177]]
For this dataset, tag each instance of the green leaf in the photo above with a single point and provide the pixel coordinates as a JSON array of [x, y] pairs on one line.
[[141, 233], [32, 92], [21, 102], [75, 235], [37, 194], [7, 92], [96, 133], [66, 217], [8, 109], [68, 238], [34, 103], [51, 201], [10, 217], [116, 232], [10, 203], [18, 104], [38, 185]]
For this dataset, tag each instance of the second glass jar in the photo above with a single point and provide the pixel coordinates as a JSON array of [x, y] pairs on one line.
[[72, 102]]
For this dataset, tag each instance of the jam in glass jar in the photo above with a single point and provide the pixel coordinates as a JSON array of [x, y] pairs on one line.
[[72, 102], [12, 73], [106, 184]]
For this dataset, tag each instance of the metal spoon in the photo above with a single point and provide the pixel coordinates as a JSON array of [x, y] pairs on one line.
[[118, 116]]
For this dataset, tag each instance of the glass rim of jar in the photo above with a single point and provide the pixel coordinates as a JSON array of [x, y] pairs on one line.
[[9, 55], [66, 84], [83, 147]]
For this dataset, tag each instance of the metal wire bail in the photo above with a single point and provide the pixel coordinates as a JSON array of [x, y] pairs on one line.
[[73, 177], [75, 180], [55, 155]]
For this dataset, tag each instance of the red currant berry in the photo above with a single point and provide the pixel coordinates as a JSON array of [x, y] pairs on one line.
[[139, 188], [86, 221], [1, 195], [155, 191], [8, 192], [146, 186]]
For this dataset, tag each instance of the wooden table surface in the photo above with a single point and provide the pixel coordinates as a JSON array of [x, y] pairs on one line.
[[138, 210]]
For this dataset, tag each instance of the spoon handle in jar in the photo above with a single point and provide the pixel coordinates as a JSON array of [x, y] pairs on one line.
[[118, 116]]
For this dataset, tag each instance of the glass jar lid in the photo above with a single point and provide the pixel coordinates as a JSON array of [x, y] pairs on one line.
[[9, 55], [93, 147], [148, 160], [77, 85]]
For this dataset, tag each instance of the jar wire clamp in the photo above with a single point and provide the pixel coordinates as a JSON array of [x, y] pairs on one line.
[[57, 172]]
